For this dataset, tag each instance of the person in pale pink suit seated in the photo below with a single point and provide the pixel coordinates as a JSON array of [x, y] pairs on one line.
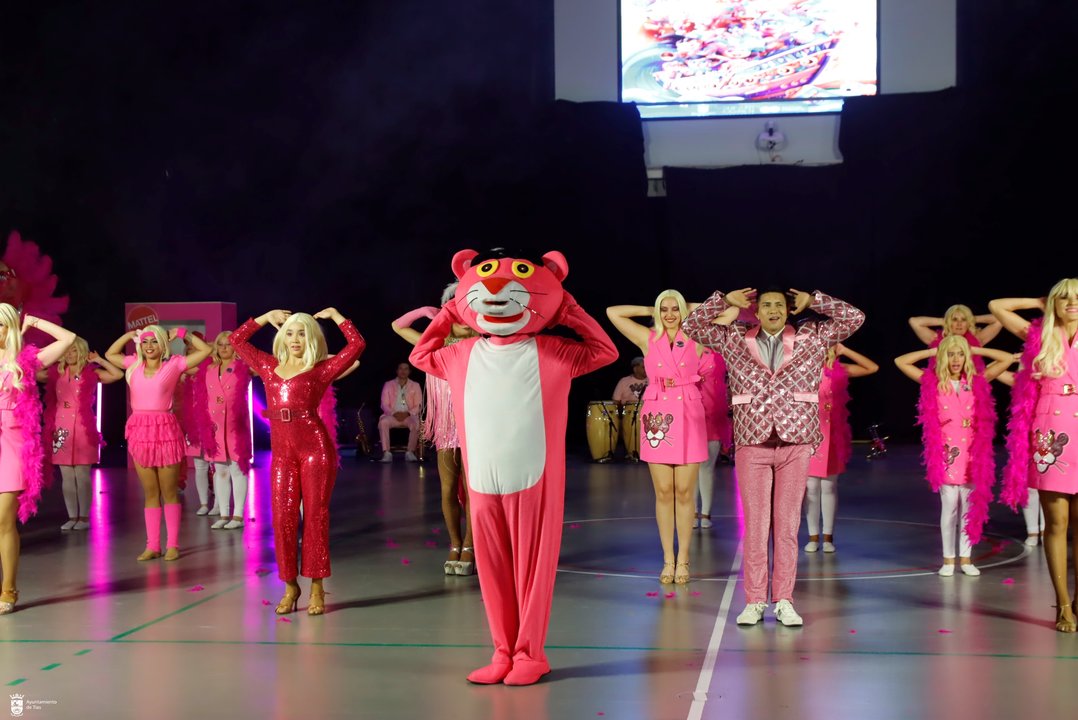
[[829, 458], [958, 422], [21, 454], [70, 430], [1042, 434], [673, 435], [401, 400], [774, 373], [154, 438]]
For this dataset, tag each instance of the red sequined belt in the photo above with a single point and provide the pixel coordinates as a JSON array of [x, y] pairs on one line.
[[290, 414]]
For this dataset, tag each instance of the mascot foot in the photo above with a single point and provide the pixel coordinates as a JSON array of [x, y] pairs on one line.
[[490, 674], [526, 672]]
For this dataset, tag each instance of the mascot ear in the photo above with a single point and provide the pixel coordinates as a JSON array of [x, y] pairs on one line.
[[461, 262], [557, 264]]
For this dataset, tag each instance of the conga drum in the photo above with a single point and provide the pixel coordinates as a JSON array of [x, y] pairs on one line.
[[602, 426], [630, 429]]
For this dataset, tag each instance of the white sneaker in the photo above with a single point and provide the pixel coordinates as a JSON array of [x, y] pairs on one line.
[[202, 510], [705, 522], [68, 525], [752, 614], [947, 570], [219, 524], [233, 524], [410, 457], [695, 522], [785, 614], [386, 457], [214, 511], [812, 546], [81, 525], [1032, 540], [971, 570], [828, 546]]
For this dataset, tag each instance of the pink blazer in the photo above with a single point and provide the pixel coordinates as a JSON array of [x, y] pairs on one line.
[[413, 395], [784, 402]]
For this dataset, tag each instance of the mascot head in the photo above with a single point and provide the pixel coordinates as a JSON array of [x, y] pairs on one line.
[[502, 293]]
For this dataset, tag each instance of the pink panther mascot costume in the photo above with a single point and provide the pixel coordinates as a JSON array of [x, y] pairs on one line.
[[510, 390]]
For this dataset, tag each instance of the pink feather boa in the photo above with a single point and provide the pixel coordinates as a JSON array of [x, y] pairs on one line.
[[88, 381], [841, 435], [195, 418], [982, 468], [1024, 397], [28, 414]]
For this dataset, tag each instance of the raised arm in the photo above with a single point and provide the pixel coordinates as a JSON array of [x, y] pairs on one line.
[[842, 320], [201, 349], [989, 328], [54, 350], [1001, 361], [860, 366], [708, 324], [115, 353], [926, 328], [425, 355], [598, 350], [106, 372], [906, 363], [1006, 310], [240, 338], [355, 344], [621, 316], [403, 325]]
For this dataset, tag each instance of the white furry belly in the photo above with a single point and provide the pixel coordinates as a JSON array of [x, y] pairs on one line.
[[503, 418]]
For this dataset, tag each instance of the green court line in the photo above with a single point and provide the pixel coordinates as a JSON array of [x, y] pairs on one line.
[[174, 613], [51, 666], [19, 681], [83, 652]]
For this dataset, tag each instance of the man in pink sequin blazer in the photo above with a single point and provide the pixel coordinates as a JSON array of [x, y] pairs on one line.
[[774, 375]]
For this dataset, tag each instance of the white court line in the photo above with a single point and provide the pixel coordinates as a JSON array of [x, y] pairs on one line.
[[699, 696]]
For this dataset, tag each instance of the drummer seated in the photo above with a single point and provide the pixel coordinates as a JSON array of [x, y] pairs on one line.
[[631, 387], [401, 401]]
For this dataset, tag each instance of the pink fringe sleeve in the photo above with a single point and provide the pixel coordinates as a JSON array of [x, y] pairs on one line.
[[28, 414], [1024, 396]]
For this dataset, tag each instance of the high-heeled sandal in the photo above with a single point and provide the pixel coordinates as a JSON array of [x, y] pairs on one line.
[[289, 602], [8, 598], [317, 604], [1065, 624], [666, 577], [681, 578], [450, 566], [466, 567]]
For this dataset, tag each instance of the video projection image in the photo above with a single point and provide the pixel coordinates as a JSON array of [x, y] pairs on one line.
[[706, 58]]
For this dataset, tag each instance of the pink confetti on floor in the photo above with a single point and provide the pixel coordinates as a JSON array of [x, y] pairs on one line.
[[431, 544], [284, 620], [941, 631], [266, 602], [599, 575], [1008, 581], [392, 544], [653, 593], [574, 526], [671, 595], [436, 530], [694, 593], [261, 571], [853, 632], [405, 561], [196, 588]]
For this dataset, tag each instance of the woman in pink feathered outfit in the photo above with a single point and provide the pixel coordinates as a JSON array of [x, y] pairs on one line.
[[21, 454], [957, 416], [1041, 445]]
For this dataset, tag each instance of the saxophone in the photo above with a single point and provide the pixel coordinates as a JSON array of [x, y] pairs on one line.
[[363, 445]]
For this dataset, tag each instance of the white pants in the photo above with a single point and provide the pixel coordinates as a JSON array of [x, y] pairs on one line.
[[821, 497], [952, 519], [1033, 513], [76, 487], [705, 483], [202, 480], [229, 482]]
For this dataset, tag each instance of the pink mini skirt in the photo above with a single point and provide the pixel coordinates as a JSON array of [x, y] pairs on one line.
[[155, 439]]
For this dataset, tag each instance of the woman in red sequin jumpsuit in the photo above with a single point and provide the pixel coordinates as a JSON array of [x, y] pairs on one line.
[[304, 460]]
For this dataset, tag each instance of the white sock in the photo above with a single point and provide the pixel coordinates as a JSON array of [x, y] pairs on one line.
[[83, 488], [202, 480], [829, 502], [239, 489], [222, 487], [71, 498], [812, 505]]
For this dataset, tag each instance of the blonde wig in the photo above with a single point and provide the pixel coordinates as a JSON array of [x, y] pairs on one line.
[[140, 359], [82, 352], [9, 318], [943, 373], [956, 310], [314, 350], [214, 355], [1049, 360], [656, 315]]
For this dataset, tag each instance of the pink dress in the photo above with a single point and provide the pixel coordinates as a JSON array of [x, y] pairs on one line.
[[833, 452], [673, 430], [153, 433], [74, 437], [11, 439], [715, 398], [956, 413], [226, 394], [1054, 436]]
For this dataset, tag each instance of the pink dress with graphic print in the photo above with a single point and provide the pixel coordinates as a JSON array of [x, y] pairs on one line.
[[673, 430], [71, 443], [1054, 460], [153, 433], [956, 423]]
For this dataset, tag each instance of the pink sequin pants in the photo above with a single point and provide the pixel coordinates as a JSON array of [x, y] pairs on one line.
[[771, 480], [303, 469]]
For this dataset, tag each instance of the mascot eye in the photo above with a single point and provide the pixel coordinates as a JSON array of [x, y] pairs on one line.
[[523, 269], [487, 269]]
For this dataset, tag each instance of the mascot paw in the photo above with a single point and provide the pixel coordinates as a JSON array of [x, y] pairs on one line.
[[526, 672], [490, 674]]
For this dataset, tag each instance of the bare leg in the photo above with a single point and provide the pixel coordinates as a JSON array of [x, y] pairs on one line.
[[662, 478], [685, 477], [1057, 511], [9, 543]]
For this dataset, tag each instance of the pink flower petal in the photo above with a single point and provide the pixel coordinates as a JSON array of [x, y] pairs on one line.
[[574, 526], [941, 631], [284, 620], [671, 595], [653, 594], [266, 602], [1008, 581], [261, 571], [405, 561], [853, 632], [436, 530], [196, 588]]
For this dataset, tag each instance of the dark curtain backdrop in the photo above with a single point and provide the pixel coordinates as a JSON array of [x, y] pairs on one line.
[[340, 153]]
